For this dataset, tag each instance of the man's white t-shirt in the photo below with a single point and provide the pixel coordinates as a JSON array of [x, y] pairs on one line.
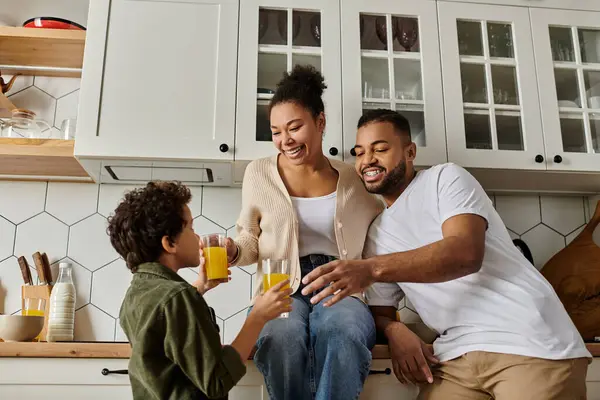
[[506, 307]]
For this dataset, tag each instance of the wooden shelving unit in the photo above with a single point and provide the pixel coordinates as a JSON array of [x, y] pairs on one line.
[[40, 159], [48, 52]]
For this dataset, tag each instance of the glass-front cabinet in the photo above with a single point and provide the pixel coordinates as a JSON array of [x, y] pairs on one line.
[[274, 36], [391, 60], [490, 89], [567, 50]]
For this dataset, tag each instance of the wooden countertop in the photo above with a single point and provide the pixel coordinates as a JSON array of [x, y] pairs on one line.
[[123, 350]]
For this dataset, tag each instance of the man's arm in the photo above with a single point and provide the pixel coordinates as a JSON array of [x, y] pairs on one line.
[[458, 254]]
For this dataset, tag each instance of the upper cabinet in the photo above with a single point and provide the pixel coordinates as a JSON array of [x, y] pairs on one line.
[[274, 36], [590, 5], [159, 79], [390, 59], [490, 88], [567, 50]]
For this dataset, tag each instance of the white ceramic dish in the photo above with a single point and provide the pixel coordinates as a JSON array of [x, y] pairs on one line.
[[20, 328]]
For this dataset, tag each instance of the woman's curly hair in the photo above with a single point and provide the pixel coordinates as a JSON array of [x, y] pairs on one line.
[[304, 86], [144, 217]]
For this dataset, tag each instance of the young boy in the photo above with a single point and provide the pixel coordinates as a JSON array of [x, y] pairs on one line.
[[176, 350]]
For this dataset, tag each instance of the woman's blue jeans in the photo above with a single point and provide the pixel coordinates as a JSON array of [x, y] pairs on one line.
[[317, 353]]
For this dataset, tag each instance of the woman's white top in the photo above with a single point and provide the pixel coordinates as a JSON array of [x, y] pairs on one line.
[[316, 217]]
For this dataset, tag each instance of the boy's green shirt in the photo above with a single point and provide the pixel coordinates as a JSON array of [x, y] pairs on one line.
[[176, 348]]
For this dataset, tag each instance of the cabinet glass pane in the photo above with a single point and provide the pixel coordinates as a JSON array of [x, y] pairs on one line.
[[592, 88], [473, 83], [506, 89], [595, 130], [573, 133], [270, 71], [477, 131], [306, 59], [263, 126], [589, 42], [272, 26], [374, 106], [509, 132], [406, 33], [561, 42], [375, 78], [307, 28], [373, 32], [470, 42], [407, 78], [500, 40], [416, 119], [567, 89]]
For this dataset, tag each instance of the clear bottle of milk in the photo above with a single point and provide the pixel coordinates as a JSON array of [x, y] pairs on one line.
[[61, 321]]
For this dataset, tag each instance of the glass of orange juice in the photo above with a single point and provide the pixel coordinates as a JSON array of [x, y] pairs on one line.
[[274, 272], [215, 256], [34, 307]]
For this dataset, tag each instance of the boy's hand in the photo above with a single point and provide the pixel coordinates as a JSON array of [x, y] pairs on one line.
[[273, 303], [202, 284]]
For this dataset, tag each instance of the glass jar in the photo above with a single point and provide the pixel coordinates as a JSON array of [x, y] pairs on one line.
[[23, 124]]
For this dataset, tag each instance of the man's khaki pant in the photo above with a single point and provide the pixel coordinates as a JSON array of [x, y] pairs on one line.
[[482, 376]]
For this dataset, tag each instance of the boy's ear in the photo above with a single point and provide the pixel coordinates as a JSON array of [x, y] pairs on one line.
[[167, 245]]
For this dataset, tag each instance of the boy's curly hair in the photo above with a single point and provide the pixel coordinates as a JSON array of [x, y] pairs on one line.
[[144, 217]]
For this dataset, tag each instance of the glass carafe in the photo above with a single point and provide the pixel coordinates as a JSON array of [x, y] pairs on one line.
[[23, 124]]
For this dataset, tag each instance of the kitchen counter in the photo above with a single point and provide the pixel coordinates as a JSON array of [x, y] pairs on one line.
[[123, 350]]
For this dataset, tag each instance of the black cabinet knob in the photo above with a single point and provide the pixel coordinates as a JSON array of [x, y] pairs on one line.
[[333, 151], [557, 159], [539, 158], [224, 148], [106, 371], [353, 152], [387, 371]]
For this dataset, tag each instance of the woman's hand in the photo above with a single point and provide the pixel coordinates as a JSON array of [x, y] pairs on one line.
[[232, 250], [202, 284]]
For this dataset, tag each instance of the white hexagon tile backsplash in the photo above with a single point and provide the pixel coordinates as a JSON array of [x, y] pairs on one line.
[[68, 221]]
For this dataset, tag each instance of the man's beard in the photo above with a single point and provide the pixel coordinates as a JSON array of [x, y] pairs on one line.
[[392, 181]]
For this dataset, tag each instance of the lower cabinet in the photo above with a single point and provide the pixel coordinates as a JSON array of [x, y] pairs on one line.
[[79, 378]]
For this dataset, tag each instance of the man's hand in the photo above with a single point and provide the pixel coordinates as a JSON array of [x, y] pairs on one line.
[[410, 355], [344, 277]]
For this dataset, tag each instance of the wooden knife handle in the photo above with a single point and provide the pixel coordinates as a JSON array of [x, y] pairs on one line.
[[39, 266], [25, 271], [47, 269]]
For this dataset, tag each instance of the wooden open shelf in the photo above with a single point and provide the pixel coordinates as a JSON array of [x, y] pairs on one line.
[[40, 159], [47, 52]]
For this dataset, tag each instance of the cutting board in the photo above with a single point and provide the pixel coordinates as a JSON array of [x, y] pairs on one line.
[[574, 273]]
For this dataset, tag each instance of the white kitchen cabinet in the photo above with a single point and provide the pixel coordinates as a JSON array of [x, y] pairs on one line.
[[589, 5], [567, 55], [390, 59], [274, 36], [159, 80], [63, 378], [490, 87]]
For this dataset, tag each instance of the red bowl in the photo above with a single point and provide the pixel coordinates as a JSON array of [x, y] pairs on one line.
[[52, 23]]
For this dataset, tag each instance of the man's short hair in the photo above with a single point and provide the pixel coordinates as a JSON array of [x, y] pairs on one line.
[[400, 123]]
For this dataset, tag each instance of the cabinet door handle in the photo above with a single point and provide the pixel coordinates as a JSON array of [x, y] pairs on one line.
[[333, 151], [224, 148], [387, 371], [106, 371], [353, 152], [557, 159], [539, 158]]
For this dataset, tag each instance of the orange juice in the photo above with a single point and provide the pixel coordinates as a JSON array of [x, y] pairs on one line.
[[216, 263], [270, 280], [34, 313]]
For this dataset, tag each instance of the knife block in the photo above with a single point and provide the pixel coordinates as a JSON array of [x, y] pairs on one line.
[[38, 292]]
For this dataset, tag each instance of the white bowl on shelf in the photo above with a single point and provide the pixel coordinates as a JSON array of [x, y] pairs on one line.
[[20, 328]]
